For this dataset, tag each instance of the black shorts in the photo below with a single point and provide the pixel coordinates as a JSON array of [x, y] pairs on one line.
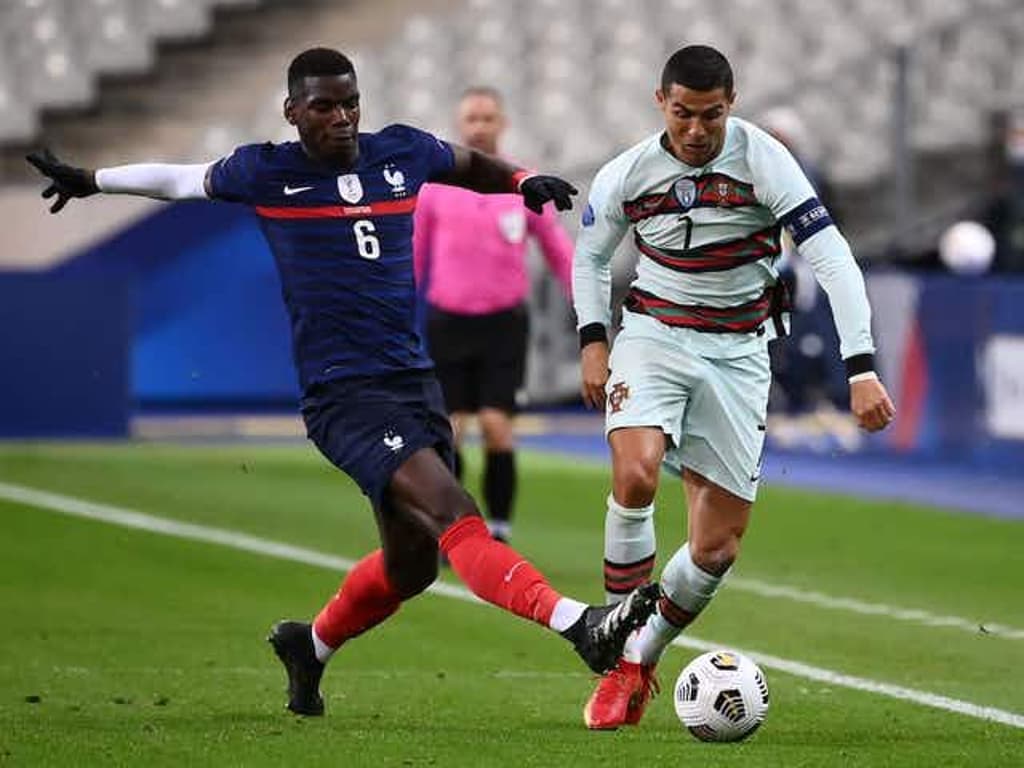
[[367, 427], [480, 359]]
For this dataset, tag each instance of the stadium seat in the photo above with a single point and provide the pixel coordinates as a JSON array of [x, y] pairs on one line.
[[577, 68]]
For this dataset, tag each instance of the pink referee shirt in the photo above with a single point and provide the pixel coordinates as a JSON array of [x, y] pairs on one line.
[[473, 248]]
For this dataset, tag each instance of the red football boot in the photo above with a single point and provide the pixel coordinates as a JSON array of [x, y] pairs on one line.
[[621, 696]]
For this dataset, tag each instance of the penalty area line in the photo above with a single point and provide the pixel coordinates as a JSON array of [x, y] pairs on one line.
[[127, 518]]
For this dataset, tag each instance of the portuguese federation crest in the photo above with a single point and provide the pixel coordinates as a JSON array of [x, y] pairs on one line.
[[618, 396]]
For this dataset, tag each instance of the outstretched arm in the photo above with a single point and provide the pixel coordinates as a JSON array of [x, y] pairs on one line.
[[162, 181], [485, 173]]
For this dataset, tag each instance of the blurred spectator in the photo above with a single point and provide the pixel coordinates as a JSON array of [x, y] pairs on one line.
[[1002, 213], [1008, 213], [470, 258], [809, 375]]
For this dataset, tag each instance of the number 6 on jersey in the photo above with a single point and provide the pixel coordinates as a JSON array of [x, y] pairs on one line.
[[366, 239]]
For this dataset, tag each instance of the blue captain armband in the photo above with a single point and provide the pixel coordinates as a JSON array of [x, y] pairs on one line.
[[806, 220]]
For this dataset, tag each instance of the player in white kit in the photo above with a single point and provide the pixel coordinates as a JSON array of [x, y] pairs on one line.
[[687, 382]]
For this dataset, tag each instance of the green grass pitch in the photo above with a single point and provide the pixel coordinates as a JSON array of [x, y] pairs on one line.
[[127, 647]]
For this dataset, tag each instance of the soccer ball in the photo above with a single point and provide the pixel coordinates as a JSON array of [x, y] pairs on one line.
[[721, 696]]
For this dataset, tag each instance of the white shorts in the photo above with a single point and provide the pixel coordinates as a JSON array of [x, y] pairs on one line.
[[712, 408]]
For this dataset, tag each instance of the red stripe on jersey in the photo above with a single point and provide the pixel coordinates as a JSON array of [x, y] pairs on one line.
[[718, 256], [385, 208], [716, 190], [742, 318]]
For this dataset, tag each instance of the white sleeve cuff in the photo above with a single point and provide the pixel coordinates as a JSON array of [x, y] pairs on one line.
[[866, 376]]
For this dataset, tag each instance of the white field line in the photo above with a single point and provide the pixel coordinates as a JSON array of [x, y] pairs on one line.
[[254, 544], [821, 600], [233, 539], [822, 675]]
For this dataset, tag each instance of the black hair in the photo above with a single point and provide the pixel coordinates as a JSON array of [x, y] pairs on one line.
[[699, 68], [317, 62]]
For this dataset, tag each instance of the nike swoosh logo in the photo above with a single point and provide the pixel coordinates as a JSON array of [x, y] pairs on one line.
[[295, 190], [512, 570]]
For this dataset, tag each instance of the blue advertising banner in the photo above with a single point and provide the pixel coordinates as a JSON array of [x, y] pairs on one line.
[[64, 356]]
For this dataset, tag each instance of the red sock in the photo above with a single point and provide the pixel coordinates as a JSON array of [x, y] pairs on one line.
[[364, 600], [496, 572]]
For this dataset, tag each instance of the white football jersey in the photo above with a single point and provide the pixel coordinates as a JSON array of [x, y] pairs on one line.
[[710, 236]]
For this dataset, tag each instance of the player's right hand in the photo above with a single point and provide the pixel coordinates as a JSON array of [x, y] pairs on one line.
[[594, 371], [67, 181]]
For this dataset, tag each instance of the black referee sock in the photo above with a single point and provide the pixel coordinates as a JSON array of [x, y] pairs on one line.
[[457, 465], [500, 489]]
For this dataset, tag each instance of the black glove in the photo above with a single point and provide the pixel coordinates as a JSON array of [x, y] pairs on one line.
[[537, 190], [68, 181]]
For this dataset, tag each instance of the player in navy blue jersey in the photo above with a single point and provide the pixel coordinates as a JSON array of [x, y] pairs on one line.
[[336, 209]]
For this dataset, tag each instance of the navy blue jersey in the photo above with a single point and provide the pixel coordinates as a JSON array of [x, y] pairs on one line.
[[343, 246]]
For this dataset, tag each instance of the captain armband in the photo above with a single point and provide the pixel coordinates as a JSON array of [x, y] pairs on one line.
[[806, 220]]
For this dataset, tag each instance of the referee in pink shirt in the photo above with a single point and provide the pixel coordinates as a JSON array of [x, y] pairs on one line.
[[470, 251]]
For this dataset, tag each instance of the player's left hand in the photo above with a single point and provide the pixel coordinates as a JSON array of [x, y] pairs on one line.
[[871, 405], [537, 190]]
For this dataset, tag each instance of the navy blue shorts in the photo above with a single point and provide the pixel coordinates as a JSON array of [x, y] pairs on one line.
[[367, 427]]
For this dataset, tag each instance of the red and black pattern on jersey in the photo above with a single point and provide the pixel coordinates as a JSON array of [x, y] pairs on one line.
[[742, 318], [714, 190], [716, 257]]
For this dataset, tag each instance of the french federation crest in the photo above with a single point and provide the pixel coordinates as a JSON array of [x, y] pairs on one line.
[[396, 179], [685, 193], [350, 188], [513, 226]]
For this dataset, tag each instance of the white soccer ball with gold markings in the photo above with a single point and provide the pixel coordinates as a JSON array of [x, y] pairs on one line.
[[721, 696]]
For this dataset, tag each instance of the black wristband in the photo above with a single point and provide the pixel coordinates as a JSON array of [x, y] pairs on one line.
[[592, 332], [864, 363]]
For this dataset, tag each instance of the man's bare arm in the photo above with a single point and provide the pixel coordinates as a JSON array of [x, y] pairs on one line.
[[487, 174]]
